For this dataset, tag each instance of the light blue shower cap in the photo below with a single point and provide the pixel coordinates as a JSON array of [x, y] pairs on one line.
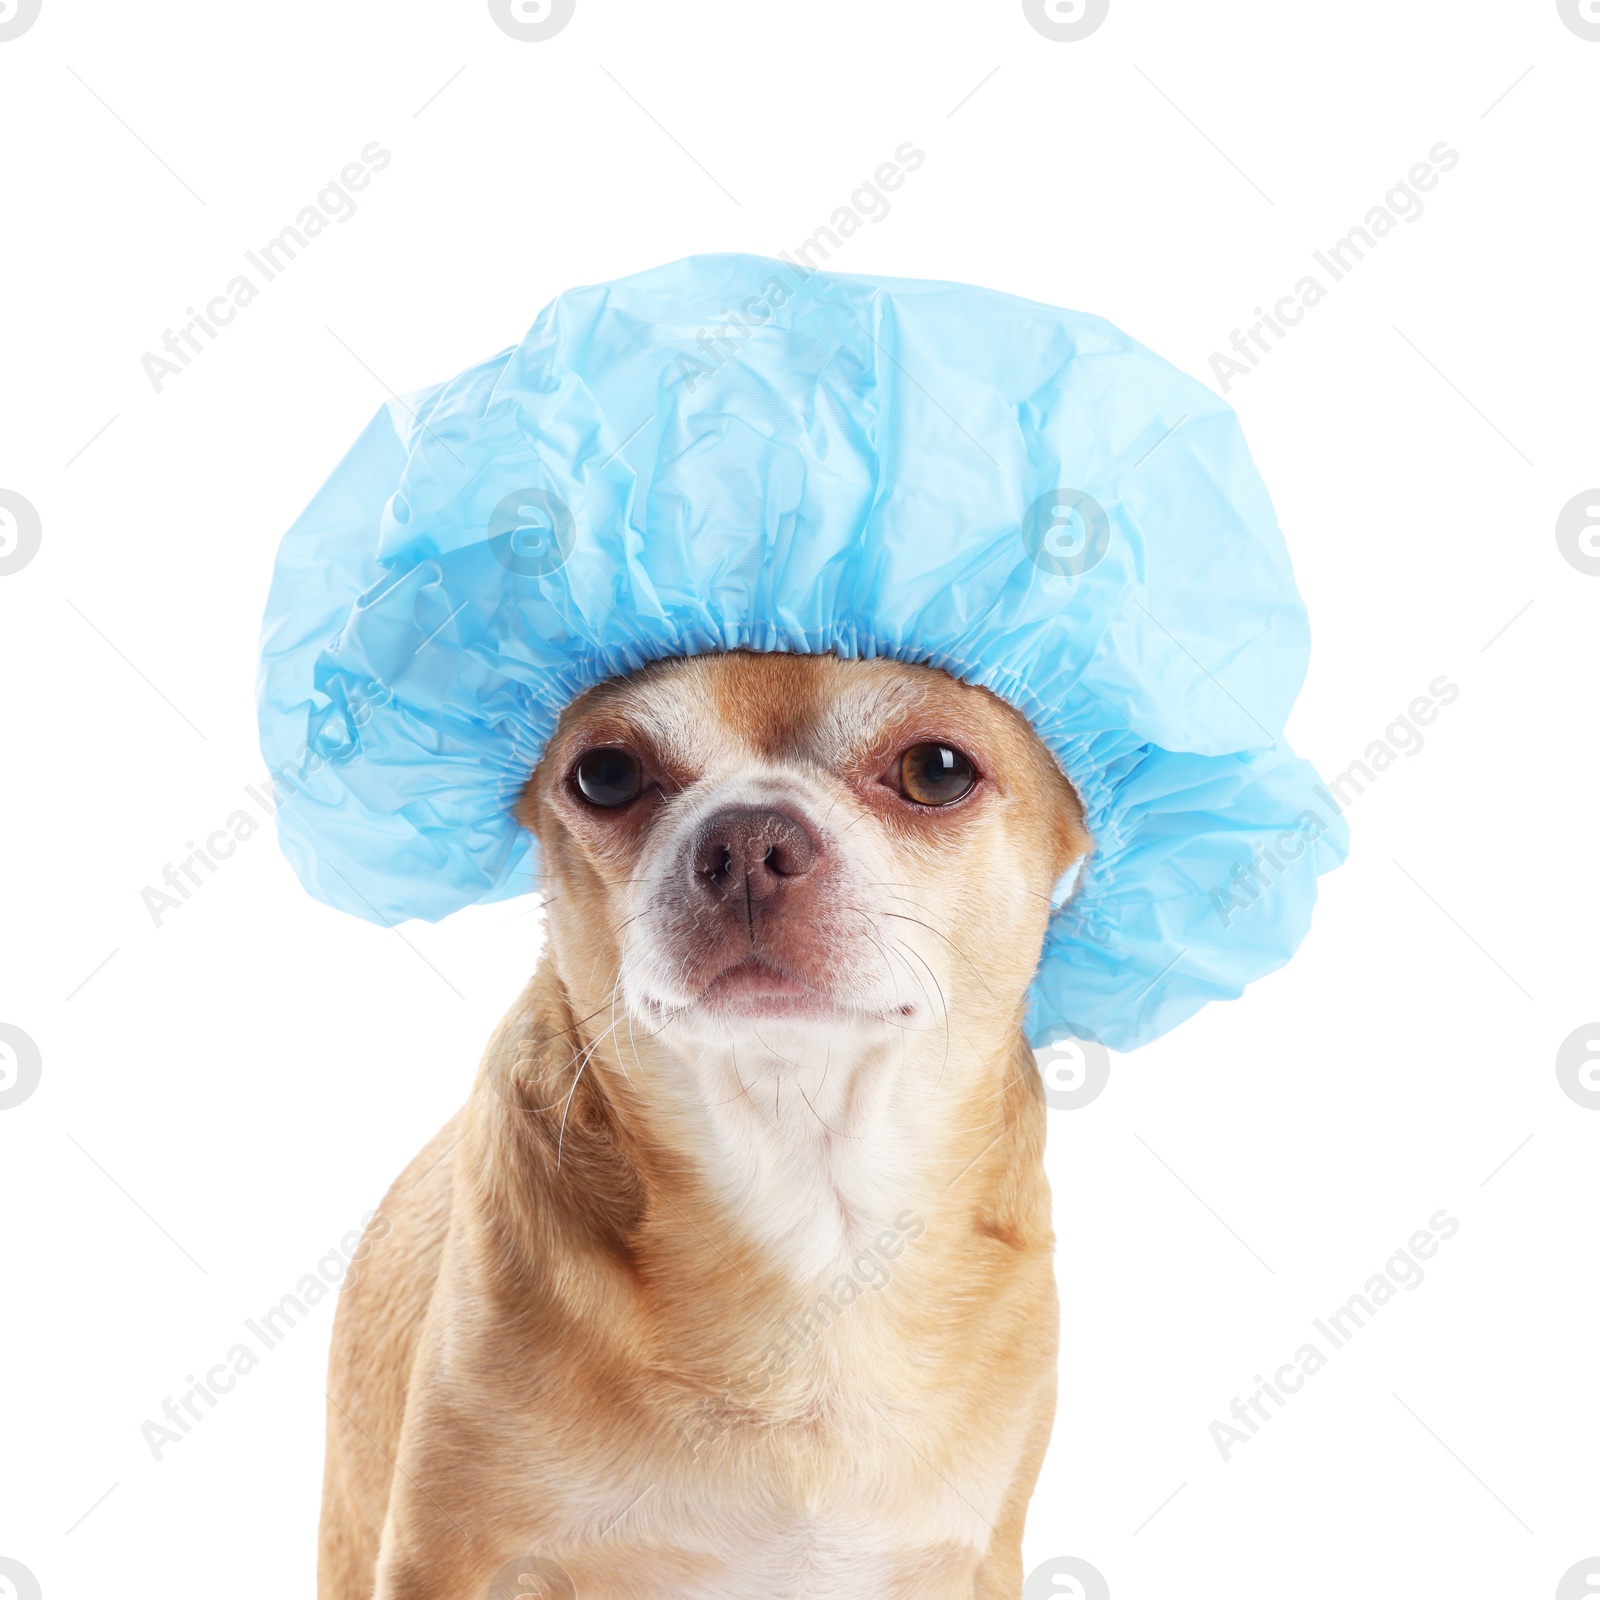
[[738, 453]]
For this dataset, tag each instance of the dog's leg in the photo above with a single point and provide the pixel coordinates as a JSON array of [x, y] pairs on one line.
[[381, 1310], [346, 1543], [427, 1555], [451, 1530], [1000, 1572], [456, 1514]]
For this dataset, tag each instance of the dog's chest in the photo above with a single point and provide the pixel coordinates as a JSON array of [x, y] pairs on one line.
[[739, 1550], [807, 1561], [861, 1500]]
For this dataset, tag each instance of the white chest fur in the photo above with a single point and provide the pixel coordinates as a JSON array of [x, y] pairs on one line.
[[815, 1146]]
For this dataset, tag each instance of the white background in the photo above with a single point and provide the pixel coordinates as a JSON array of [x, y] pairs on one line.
[[227, 1094]]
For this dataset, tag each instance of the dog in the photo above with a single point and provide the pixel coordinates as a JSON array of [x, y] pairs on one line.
[[733, 1276]]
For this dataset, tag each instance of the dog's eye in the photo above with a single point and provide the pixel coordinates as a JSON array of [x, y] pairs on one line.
[[608, 778], [935, 774]]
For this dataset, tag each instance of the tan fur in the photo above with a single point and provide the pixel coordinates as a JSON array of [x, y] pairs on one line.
[[566, 1340]]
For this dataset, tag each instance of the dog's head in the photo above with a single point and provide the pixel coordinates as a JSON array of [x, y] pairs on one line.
[[783, 852]]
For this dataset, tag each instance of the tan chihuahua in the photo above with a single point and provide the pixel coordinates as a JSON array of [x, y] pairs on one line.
[[732, 1278]]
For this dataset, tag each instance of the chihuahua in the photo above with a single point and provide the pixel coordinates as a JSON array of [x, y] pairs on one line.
[[732, 1278]]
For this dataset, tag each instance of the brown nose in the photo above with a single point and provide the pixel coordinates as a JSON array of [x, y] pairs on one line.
[[745, 855]]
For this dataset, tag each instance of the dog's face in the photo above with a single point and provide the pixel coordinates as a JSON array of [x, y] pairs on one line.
[[792, 852]]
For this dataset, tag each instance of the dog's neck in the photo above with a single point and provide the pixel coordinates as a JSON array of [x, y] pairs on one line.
[[813, 1143], [805, 1149]]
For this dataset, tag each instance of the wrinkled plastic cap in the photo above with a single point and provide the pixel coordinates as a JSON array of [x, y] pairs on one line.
[[736, 453]]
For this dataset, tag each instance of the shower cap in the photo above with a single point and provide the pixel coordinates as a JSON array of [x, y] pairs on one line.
[[736, 453]]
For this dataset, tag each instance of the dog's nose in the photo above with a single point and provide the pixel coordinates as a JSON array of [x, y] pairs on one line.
[[747, 854]]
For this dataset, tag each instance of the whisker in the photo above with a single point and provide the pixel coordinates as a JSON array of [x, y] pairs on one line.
[[890, 883], [944, 1006], [900, 917]]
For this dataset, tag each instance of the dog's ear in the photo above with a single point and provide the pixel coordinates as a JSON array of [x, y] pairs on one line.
[[1055, 813], [1069, 828], [526, 809]]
